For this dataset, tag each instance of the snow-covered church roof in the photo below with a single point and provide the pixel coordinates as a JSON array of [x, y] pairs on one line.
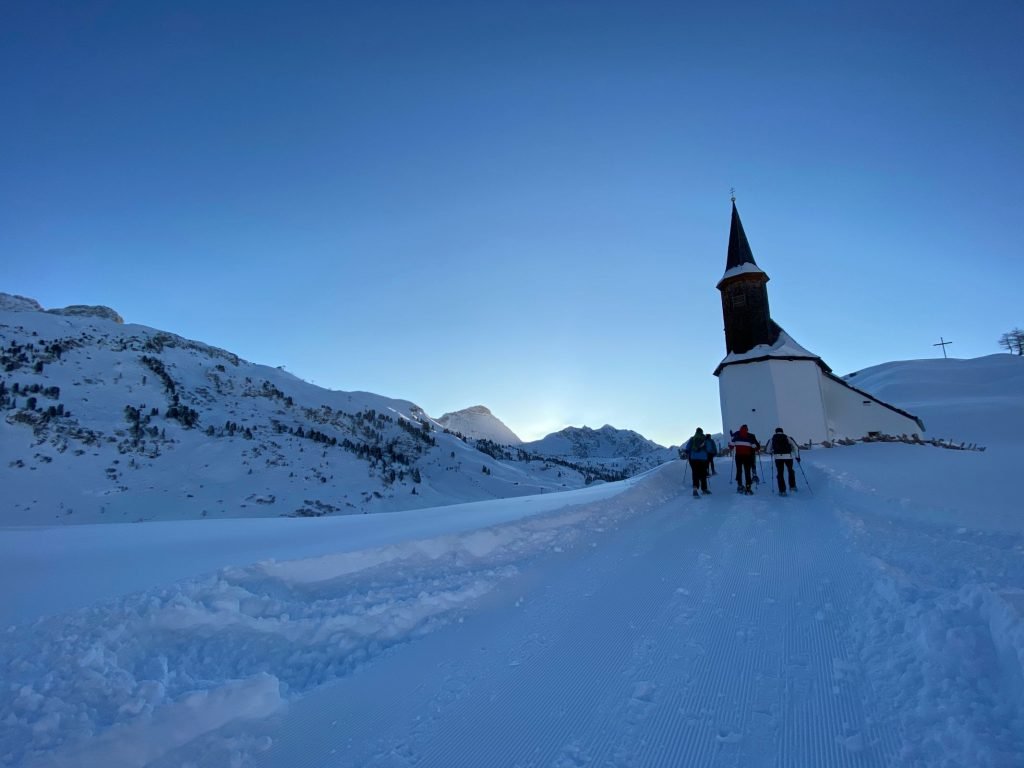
[[784, 348], [741, 269]]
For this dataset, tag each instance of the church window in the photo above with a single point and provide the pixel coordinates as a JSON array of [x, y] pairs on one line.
[[739, 300]]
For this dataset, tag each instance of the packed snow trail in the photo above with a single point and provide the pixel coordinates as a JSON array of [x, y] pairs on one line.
[[622, 625], [713, 632]]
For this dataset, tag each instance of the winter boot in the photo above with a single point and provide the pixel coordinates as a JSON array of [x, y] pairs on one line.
[[695, 494]]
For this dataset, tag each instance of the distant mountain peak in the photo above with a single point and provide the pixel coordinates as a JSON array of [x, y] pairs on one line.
[[479, 423], [89, 310], [10, 302], [586, 442]]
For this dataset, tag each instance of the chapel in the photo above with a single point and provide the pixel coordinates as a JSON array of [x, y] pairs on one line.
[[767, 380]]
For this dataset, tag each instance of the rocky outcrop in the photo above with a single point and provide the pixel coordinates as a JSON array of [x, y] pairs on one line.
[[84, 310], [10, 302]]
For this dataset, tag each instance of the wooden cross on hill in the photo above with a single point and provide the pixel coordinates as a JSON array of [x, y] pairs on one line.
[[942, 343]]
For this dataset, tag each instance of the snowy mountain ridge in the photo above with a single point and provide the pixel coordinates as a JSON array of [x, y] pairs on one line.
[[606, 443], [478, 422], [13, 303], [100, 416]]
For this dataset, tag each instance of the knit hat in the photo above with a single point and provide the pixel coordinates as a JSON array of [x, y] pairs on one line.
[[778, 429]]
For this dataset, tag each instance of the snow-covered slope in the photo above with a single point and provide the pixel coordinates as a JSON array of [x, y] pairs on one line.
[[108, 422], [973, 401], [873, 619], [479, 423]]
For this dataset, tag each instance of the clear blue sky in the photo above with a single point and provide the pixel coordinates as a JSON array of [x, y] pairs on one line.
[[521, 205]]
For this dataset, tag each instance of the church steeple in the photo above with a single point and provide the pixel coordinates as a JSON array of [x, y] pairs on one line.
[[739, 248], [748, 322]]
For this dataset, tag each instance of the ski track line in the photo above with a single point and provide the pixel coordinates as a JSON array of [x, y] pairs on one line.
[[547, 633], [595, 645], [834, 581], [703, 632]]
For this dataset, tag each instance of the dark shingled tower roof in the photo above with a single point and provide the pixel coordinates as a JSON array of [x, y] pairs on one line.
[[739, 248]]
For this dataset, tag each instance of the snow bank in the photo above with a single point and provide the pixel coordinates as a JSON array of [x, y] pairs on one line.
[[933, 486], [125, 682], [942, 628], [137, 743], [953, 670], [62, 569]]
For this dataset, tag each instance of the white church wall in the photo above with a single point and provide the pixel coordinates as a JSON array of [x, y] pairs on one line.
[[801, 405], [747, 396], [774, 393], [852, 415]]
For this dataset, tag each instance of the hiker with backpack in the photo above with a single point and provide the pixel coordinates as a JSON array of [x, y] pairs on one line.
[[712, 452], [745, 447], [697, 451], [784, 448]]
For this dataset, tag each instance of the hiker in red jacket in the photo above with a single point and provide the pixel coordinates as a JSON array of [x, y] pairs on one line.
[[745, 447]]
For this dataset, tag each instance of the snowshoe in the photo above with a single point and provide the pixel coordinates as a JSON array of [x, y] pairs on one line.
[[707, 492], [782, 493]]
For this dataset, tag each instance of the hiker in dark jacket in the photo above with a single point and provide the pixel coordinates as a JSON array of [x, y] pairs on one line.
[[784, 449], [712, 452], [745, 447], [696, 451]]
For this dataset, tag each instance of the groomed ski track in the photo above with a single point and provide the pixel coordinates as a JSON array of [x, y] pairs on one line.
[[671, 631]]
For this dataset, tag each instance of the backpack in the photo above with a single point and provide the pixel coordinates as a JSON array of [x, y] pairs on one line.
[[697, 443], [780, 443]]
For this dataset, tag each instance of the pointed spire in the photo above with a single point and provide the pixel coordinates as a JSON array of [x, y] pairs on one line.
[[739, 248], [748, 321]]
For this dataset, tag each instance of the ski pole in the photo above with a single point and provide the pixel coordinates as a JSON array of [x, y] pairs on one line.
[[808, 485]]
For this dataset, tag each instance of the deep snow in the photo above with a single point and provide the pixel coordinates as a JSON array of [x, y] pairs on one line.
[[91, 431], [872, 619]]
